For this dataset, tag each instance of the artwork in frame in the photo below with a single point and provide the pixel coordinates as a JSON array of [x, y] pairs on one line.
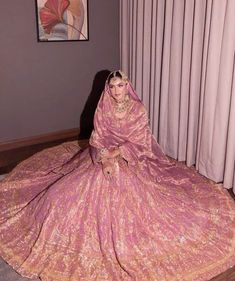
[[62, 20]]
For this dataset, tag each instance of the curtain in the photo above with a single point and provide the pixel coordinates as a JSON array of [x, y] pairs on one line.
[[179, 54]]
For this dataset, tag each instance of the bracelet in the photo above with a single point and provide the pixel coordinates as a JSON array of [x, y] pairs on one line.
[[103, 151]]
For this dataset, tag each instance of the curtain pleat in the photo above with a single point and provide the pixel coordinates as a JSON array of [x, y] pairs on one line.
[[217, 95], [179, 54], [229, 171]]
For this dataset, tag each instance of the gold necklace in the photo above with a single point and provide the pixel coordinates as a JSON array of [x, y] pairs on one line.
[[122, 106]]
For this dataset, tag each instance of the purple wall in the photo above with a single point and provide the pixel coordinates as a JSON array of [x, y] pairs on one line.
[[44, 86]]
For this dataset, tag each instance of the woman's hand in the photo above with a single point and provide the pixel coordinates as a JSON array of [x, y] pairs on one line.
[[108, 168], [113, 153], [106, 154], [108, 161]]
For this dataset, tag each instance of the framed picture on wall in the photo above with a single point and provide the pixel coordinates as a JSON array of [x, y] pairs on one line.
[[62, 20]]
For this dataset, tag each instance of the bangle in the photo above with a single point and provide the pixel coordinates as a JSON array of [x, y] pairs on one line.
[[103, 151]]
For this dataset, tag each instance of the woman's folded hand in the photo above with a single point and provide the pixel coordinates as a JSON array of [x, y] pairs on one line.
[[114, 153], [110, 154], [108, 168]]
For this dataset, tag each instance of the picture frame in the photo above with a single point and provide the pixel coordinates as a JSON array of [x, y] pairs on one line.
[[62, 20]]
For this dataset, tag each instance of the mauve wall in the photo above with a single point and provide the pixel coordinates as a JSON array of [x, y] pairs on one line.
[[44, 86]]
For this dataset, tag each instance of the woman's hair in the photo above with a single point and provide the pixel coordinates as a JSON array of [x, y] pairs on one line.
[[117, 73]]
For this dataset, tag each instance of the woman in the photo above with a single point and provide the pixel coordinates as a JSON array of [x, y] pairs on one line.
[[119, 210]]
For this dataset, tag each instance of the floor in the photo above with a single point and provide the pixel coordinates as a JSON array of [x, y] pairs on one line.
[[8, 274], [2, 176]]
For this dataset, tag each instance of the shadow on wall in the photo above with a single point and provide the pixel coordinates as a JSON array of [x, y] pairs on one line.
[[86, 119]]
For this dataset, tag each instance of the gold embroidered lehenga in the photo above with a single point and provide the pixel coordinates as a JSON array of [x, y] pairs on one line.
[[61, 219]]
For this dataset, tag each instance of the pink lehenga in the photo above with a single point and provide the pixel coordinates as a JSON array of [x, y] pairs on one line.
[[156, 220]]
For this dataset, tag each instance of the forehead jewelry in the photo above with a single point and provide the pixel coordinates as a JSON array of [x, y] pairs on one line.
[[123, 75]]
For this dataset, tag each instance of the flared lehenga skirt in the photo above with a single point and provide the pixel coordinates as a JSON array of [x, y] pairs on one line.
[[62, 220]]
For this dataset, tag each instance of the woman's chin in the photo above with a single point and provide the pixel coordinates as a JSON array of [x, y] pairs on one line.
[[119, 100]]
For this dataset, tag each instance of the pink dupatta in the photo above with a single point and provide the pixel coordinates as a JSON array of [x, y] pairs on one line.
[[131, 134]]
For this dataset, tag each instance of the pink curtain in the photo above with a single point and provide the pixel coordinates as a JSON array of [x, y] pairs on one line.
[[179, 54]]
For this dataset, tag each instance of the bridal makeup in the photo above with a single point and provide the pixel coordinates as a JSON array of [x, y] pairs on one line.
[[118, 89]]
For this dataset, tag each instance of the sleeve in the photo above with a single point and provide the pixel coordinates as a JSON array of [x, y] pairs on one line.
[[97, 149], [94, 154], [139, 142]]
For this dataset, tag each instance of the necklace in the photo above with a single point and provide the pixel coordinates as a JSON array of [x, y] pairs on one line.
[[122, 106]]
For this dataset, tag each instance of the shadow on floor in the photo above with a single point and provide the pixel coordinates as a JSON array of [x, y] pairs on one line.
[[8, 274]]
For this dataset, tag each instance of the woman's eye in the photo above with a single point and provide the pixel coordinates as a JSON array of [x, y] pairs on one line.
[[120, 85], [111, 86]]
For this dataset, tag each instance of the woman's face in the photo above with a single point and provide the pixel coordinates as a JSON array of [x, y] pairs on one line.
[[118, 89]]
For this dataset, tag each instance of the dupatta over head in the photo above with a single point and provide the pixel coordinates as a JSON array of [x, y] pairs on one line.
[[131, 134]]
